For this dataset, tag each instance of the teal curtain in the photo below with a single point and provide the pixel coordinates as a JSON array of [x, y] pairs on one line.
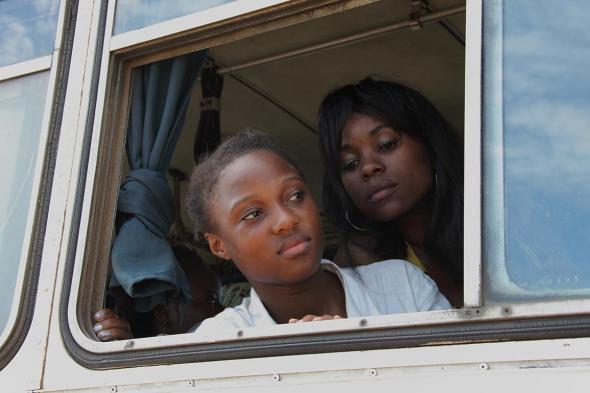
[[142, 259]]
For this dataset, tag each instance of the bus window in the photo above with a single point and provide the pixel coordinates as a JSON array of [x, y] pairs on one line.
[[537, 178], [274, 81]]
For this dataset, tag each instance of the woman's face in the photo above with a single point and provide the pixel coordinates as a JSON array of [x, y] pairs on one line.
[[266, 220], [387, 174]]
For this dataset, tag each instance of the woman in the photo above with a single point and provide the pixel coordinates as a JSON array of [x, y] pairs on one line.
[[394, 180]]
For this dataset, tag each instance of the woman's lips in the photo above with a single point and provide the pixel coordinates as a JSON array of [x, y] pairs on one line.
[[381, 194], [295, 247]]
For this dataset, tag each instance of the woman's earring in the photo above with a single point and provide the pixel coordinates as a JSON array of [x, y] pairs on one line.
[[351, 224]]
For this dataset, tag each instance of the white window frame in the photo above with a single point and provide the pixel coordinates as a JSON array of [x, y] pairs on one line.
[[472, 263]]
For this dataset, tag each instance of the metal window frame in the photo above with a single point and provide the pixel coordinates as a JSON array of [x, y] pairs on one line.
[[24, 68], [472, 222]]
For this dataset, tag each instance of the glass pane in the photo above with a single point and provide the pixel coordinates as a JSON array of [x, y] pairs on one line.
[[21, 112], [28, 29], [135, 14], [545, 47]]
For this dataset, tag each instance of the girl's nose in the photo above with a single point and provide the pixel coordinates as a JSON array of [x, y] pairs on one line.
[[371, 167], [286, 220]]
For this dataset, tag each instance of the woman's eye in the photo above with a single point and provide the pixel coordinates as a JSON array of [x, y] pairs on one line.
[[349, 165], [386, 145], [296, 196], [252, 215]]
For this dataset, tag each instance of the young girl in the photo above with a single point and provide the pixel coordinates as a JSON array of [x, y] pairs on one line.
[[394, 180], [252, 205]]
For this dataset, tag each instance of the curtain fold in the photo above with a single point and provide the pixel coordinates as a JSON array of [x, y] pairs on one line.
[[142, 260]]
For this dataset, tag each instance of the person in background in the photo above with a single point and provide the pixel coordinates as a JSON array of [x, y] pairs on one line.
[[173, 318], [394, 180]]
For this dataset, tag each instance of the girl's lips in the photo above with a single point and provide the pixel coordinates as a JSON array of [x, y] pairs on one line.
[[295, 247], [381, 194]]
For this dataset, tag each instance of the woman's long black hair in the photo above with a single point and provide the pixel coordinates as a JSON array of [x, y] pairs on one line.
[[409, 112]]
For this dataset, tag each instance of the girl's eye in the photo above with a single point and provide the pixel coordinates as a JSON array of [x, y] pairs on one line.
[[349, 165], [252, 215]]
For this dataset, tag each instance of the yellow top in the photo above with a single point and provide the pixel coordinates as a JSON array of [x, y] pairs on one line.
[[413, 258]]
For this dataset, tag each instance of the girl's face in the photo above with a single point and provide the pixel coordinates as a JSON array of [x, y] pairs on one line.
[[387, 174], [266, 220]]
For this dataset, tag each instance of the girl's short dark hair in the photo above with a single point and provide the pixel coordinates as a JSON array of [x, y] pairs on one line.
[[206, 174], [406, 111]]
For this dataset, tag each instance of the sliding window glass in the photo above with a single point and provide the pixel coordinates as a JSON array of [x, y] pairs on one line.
[[537, 139], [28, 29], [27, 43], [135, 14], [21, 112]]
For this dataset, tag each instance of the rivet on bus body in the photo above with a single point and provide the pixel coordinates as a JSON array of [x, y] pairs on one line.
[[484, 367], [113, 389], [190, 382], [240, 333], [276, 377], [363, 322], [373, 372]]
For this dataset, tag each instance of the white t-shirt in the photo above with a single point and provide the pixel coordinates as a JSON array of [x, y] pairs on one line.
[[387, 287]]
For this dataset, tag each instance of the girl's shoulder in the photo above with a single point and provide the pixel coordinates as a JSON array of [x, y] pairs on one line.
[[251, 312], [401, 279], [389, 276], [230, 318], [392, 275]]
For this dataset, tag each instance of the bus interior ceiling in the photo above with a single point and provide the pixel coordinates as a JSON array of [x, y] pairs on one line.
[[282, 97]]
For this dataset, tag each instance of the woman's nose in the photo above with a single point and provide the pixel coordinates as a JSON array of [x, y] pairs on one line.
[[286, 220], [371, 167]]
